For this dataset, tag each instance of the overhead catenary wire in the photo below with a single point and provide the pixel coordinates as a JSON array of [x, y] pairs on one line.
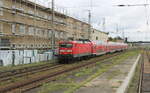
[[147, 15], [147, 19]]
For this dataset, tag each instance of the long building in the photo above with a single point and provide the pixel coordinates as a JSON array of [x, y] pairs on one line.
[[27, 25], [99, 35]]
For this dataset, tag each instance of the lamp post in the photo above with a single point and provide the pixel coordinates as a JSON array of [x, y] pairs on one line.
[[53, 31], [89, 21]]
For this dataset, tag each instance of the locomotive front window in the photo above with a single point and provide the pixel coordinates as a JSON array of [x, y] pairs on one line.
[[66, 45]]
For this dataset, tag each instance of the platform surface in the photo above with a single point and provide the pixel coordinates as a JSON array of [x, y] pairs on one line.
[[110, 81]]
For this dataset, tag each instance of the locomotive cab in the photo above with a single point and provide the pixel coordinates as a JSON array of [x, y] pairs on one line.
[[70, 50], [65, 48], [65, 51]]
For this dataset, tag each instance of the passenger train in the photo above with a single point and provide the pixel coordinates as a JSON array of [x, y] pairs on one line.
[[69, 50]]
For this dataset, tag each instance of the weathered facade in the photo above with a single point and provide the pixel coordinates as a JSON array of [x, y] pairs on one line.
[[26, 25], [98, 35], [77, 29]]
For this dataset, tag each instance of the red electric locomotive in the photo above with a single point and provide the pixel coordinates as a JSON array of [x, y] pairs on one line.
[[69, 50]]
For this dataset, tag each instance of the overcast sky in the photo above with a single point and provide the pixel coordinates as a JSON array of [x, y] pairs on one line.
[[131, 20]]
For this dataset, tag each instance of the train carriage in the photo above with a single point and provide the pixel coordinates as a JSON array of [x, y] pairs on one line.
[[69, 50], [99, 47]]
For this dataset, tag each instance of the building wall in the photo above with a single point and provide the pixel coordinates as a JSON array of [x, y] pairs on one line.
[[98, 35], [27, 25], [77, 29]]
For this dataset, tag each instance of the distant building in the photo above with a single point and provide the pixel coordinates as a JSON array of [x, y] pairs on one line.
[[98, 35], [26, 25]]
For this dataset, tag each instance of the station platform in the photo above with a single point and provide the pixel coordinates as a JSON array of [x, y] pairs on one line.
[[115, 80]]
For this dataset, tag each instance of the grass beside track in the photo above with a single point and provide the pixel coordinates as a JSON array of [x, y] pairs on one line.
[[133, 87], [135, 81], [10, 67], [70, 85]]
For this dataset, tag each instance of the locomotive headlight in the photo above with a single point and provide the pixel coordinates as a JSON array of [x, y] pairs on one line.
[[62, 51], [68, 50], [65, 50]]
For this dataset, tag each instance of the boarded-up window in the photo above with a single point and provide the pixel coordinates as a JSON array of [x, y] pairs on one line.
[[31, 30], [22, 29], [13, 28], [49, 33], [38, 32], [56, 34]]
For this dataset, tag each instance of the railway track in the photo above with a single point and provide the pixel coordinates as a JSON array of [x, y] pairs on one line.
[[5, 73], [37, 81], [9, 77], [144, 83]]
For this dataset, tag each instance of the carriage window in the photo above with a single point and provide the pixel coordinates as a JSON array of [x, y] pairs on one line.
[[66, 45]]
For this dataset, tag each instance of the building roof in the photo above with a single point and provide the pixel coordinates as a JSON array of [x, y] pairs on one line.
[[99, 31]]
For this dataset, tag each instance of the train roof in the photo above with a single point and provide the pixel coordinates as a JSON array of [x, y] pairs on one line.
[[98, 42], [108, 43], [77, 41]]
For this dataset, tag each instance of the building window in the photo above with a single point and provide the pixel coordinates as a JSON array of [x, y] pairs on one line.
[[13, 28], [39, 32], [1, 3], [1, 28], [62, 35], [96, 38], [49, 33], [1, 9], [45, 34], [31, 30], [42, 32], [49, 17], [45, 16], [56, 34], [31, 13], [36, 31], [22, 29]]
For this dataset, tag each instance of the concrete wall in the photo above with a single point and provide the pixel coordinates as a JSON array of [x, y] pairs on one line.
[[16, 57]]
